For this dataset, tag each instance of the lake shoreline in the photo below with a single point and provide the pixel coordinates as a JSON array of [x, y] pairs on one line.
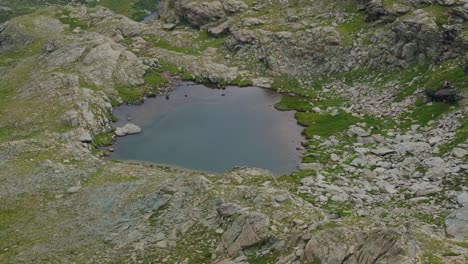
[[207, 99]]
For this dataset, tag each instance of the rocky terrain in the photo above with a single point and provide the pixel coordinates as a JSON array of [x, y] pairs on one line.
[[379, 86]]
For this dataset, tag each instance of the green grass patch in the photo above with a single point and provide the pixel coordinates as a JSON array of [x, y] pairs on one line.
[[434, 79], [131, 95], [74, 23], [296, 103], [429, 258], [431, 78], [425, 113], [287, 83], [348, 31], [169, 67], [463, 244], [439, 12], [99, 180], [102, 140], [434, 219], [155, 79], [460, 137], [8, 217], [269, 258], [296, 176], [325, 125], [238, 81]]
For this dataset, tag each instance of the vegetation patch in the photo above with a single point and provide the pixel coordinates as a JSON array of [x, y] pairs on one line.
[[423, 114], [460, 137], [296, 103], [349, 31], [102, 140], [154, 79], [104, 179], [74, 23], [269, 258], [131, 95], [325, 125], [194, 46], [429, 258], [431, 79]]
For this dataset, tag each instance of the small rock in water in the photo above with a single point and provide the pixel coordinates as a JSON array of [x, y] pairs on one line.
[[128, 129]]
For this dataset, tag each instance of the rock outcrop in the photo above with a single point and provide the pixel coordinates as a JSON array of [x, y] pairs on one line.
[[343, 246]]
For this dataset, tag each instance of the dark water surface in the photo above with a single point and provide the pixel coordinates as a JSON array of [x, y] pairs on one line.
[[212, 130]]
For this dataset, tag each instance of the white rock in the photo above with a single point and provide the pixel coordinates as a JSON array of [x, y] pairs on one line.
[[459, 152], [282, 198], [128, 129], [334, 157], [357, 131], [317, 109], [73, 189], [434, 140], [308, 181]]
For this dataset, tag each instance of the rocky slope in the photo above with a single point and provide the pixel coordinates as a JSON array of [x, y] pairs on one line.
[[384, 175]]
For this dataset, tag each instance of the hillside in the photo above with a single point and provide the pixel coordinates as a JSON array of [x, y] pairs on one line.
[[380, 87]]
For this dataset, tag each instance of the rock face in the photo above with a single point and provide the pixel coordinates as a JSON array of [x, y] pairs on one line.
[[249, 230], [456, 224], [108, 62], [342, 246], [201, 13]]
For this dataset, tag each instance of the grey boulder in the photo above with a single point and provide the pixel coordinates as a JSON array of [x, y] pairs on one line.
[[128, 129]]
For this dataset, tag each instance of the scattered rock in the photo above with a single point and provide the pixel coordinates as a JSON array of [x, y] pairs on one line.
[[128, 129], [459, 152], [357, 131], [282, 198], [74, 189], [456, 224], [228, 209], [311, 166]]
